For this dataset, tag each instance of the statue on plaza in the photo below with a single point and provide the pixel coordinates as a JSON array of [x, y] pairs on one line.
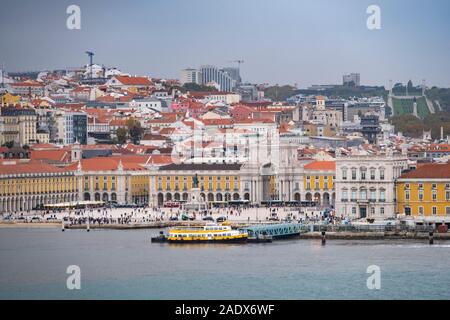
[[195, 181]]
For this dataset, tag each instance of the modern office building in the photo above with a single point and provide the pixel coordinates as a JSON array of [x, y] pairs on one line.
[[190, 76], [212, 74], [351, 79]]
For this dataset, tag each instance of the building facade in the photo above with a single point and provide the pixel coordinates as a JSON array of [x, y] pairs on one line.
[[111, 180], [18, 125], [365, 184], [28, 185], [425, 193]]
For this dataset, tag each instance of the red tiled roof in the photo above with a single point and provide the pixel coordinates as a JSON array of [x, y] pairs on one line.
[[107, 164], [16, 167], [54, 155], [134, 81], [321, 165], [432, 171]]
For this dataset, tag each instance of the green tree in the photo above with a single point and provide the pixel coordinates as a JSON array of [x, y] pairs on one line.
[[121, 134], [193, 87], [135, 130]]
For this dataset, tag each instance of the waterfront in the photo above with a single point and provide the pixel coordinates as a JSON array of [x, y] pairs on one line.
[[125, 265]]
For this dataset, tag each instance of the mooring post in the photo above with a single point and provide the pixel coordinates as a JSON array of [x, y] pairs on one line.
[[431, 237], [87, 225], [62, 226], [324, 238]]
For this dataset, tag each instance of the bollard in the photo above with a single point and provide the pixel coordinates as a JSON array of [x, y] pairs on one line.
[[324, 239], [62, 226], [87, 226], [431, 237]]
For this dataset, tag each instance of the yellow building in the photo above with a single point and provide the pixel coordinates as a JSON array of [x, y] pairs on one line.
[[217, 182], [9, 99], [425, 193], [113, 179], [18, 125], [318, 183], [25, 185]]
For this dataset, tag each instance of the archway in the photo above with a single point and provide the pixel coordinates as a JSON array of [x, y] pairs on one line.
[[105, 197], [326, 199], [219, 197], [160, 199], [297, 197], [317, 198], [87, 196], [168, 197], [176, 196], [97, 196], [185, 197], [114, 197], [227, 197], [210, 197], [247, 196], [308, 197], [236, 197]]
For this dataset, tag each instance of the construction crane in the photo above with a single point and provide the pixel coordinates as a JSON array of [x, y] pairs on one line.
[[91, 58]]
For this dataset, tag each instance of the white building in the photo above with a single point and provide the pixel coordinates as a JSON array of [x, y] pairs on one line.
[[190, 76], [365, 184]]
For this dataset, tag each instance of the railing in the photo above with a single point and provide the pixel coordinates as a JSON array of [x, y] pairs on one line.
[[367, 228]]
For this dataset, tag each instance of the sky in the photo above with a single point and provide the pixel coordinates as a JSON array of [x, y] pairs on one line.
[[281, 41]]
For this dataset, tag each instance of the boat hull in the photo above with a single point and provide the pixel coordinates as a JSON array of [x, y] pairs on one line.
[[237, 240]]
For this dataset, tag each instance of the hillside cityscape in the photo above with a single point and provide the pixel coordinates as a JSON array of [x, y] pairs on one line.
[[99, 134]]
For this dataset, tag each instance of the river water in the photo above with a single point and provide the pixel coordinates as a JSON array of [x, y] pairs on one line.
[[125, 265]]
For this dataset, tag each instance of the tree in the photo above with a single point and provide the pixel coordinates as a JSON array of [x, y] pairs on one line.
[[121, 134], [410, 85], [135, 130], [8, 144], [193, 87], [409, 125]]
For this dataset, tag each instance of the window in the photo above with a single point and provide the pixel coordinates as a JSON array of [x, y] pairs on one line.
[[447, 211], [382, 195], [421, 211], [344, 174], [420, 194], [447, 195], [353, 194], [407, 186], [434, 195], [421, 186], [344, 196], [447, 186], [353, 174], [372, 174], [381, 174], [373, 195], [382, 210], [434, 211], [353, 210], [363, 194], [407, 195], [433, 186], [372, 210], [363, 173]]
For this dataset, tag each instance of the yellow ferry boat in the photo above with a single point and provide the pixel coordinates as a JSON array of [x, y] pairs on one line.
[[208, 233]]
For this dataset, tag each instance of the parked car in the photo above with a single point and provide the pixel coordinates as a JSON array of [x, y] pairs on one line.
[[208, 218], [173, 218]]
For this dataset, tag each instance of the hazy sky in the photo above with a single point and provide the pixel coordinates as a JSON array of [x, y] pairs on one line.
[[282, 41]]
